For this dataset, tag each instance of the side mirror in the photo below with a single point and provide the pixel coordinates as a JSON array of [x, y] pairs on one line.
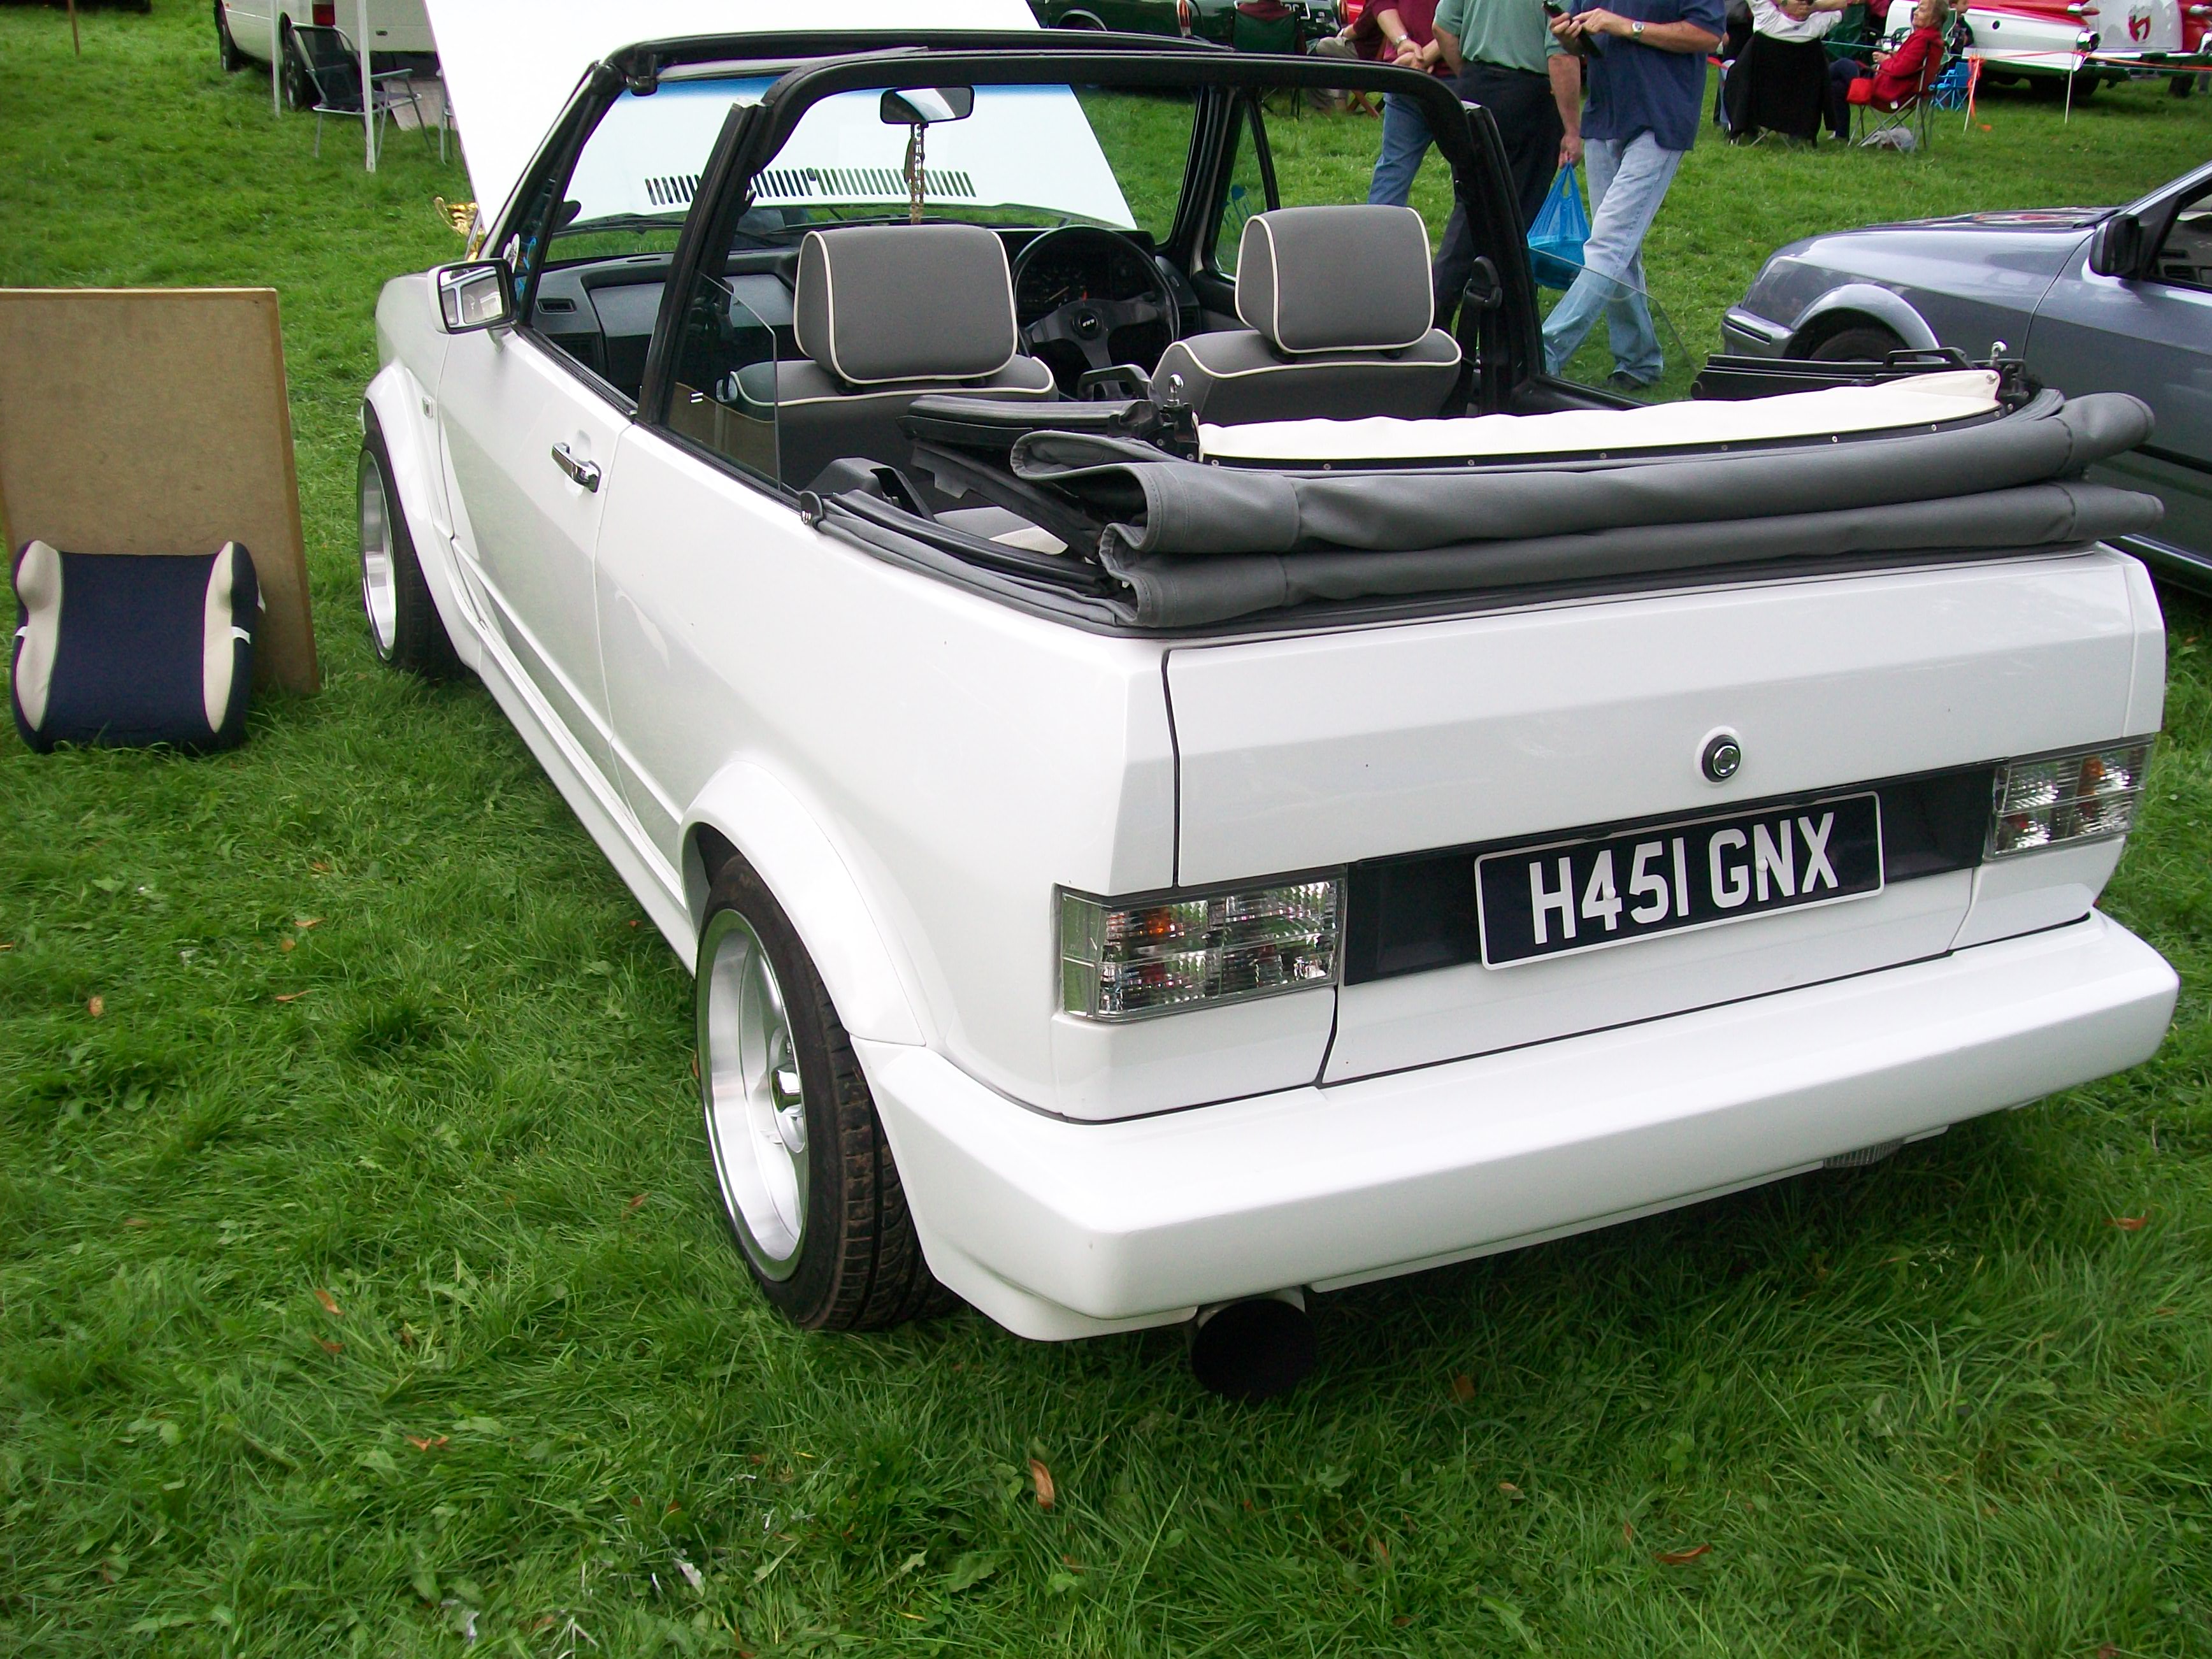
[[921, 107], [479, 295], [2117, 250]]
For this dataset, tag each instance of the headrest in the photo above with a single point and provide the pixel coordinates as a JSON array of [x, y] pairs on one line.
[[879, 303], [1335, 278]]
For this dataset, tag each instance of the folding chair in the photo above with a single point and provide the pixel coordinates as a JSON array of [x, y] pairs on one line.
[[327, 61], [1909, 114], [1268, 26]]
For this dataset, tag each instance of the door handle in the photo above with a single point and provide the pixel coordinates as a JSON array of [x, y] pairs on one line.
[[585, 473]]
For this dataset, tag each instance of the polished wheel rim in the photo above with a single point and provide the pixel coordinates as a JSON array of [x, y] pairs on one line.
[[378, 593], [756, 1101]]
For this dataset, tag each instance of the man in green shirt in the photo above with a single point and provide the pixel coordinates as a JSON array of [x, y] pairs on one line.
[[1502, 56]]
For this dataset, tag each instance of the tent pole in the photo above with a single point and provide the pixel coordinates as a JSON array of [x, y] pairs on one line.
[[276, 65], [76, 39], [367, 89]]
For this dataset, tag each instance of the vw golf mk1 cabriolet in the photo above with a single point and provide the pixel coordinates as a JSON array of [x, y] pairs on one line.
[[1185, 785]]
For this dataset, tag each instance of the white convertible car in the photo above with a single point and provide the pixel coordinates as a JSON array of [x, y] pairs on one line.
[[1184, 784]]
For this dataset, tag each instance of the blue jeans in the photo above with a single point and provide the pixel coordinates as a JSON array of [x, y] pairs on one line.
[[1406, 141], [1627, 182]]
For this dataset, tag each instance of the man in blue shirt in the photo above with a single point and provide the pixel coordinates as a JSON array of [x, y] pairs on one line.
[[1645, 62]]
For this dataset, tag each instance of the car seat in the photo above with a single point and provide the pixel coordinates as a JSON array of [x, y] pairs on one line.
[[1338, 323]]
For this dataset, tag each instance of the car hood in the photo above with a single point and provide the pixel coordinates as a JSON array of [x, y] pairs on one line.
[[2064, 221], [511, 65]]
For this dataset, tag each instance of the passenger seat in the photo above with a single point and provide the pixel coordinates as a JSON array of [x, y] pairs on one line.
[[1338, 323]]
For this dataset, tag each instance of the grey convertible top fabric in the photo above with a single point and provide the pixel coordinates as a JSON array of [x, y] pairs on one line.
[[1195, 543]]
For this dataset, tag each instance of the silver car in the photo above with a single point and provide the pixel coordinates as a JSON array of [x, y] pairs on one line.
[[2094, 299]]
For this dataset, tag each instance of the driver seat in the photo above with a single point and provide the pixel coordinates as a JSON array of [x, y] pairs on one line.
[[884, 314], [1338, 321]]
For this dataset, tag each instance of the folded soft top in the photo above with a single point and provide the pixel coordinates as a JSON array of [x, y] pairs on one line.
[[1192, 543]]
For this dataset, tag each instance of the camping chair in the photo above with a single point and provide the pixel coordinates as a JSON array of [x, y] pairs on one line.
[[1909, 115], [329, 63], [1271, 26]]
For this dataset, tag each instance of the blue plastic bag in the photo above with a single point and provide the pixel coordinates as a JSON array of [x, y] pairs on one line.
[[1556, 240]]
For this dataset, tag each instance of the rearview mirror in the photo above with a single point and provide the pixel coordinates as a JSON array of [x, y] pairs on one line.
[[480, 294], [921, 107], [2117, 250]]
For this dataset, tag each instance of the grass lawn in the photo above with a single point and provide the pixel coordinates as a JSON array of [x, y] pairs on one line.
[[362, 1284]]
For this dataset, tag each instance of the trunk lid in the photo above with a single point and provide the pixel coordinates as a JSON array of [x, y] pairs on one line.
[[1449, 739]]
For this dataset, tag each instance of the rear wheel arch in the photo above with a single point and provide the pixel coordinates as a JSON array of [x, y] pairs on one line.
[[747, 818]]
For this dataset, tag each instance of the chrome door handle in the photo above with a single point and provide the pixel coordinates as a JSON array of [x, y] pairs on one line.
[[585, 473]]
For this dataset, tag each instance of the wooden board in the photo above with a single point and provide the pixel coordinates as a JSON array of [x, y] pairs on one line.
[[156, 421]]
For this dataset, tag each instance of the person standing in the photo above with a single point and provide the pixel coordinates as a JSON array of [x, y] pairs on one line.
[[1502, 57], [1403, 33], [1647, 92]]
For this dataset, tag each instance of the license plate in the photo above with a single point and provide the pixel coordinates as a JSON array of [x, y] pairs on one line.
[[1572, 896]]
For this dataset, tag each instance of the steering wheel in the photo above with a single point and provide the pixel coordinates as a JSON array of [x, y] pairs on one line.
[[1089, 323]]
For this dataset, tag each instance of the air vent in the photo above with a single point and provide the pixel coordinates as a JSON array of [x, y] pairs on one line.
[[558, 304], [672, 190], [859, 184]]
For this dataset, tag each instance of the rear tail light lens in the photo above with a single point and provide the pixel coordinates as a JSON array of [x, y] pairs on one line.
[[326, 14], [1124, 959], [2056, 800]]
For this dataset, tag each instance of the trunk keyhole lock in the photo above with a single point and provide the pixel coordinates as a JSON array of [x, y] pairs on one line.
[[1722, 757]]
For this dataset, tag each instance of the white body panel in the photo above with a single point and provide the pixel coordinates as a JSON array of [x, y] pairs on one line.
[[394, 26]]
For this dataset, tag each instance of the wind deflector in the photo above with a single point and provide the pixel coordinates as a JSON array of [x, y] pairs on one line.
[[1194, 545]]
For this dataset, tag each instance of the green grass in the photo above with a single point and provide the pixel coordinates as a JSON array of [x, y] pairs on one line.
[[1941, 1406]]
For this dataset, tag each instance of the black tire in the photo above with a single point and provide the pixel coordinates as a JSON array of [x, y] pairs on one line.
[[404, 628], [226, 49], [854, 1263], [1862, 343], [298, 94]]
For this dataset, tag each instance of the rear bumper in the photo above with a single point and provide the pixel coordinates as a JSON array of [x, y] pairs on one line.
[[1059, 1230]]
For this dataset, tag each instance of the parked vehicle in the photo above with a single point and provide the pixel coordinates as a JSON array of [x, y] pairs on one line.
[[2032, 41], [397, 29], [1122, 887], [2093, 299]]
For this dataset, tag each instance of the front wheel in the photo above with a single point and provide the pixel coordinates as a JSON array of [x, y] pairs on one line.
[[1867, 342], [804, 1169], [404, 624]]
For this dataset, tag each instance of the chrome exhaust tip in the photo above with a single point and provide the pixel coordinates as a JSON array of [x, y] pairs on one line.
[[1255, 1349]]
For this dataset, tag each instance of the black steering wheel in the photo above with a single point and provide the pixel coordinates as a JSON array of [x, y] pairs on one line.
[[1089, 320]]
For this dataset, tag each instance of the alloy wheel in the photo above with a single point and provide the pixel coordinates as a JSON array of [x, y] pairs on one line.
[[755, 1098]]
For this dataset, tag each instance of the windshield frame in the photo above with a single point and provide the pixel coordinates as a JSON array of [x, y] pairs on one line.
[[754, 136]]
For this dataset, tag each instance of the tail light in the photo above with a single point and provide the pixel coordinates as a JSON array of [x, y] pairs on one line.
[[1121, 959], [2057, 800], [326, 14]]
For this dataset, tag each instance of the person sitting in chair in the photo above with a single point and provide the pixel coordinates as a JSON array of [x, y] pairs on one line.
[[1897, 76]]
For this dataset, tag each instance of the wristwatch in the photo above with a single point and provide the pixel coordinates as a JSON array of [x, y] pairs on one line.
[[1636, 31]]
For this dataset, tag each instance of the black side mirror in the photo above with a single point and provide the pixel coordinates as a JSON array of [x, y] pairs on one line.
[[2117, 250], [921, 107]]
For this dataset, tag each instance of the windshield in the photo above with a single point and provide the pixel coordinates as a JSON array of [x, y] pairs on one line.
[[1028, 156]]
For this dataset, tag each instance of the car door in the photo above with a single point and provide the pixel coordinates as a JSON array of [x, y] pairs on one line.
[[529, 445], [533, 415], [2149, 333]]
